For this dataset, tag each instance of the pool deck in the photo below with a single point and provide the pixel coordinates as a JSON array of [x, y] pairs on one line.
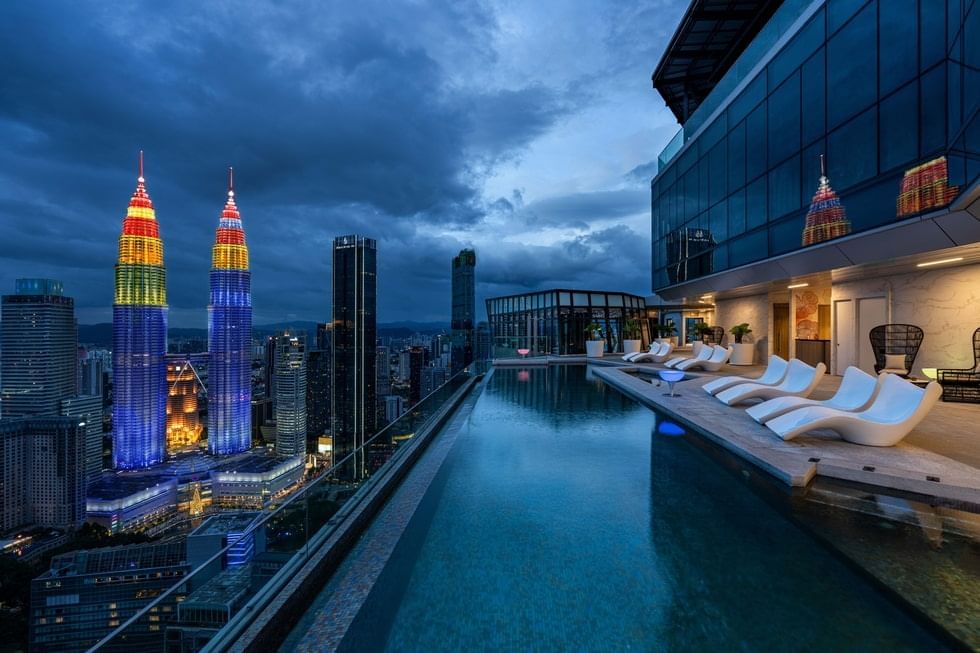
[[945, 446]]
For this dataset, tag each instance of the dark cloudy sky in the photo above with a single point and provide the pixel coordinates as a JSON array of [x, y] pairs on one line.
[[523, 129]]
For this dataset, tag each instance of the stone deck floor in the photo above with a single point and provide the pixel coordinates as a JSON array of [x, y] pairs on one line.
[[945, 446]]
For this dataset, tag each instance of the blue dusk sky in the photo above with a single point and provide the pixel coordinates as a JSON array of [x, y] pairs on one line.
[[526, 130]]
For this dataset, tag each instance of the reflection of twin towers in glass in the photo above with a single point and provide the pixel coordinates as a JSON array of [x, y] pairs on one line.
[[139, 337]]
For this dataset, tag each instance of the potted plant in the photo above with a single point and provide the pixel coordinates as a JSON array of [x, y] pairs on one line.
[[700, 330], [666, 332], [595, 344], [632, 335], [744, 352]]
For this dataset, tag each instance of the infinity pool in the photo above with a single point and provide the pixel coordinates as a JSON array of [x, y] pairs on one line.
[[567, 517]]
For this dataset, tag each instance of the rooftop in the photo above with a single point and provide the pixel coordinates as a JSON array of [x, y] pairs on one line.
[[126, 557], [711, 36]]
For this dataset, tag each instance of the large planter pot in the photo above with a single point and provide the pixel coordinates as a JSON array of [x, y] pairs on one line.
[[593, 348], [632, 346], [744, 354]]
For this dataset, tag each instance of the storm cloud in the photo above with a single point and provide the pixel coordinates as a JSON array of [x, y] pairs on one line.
[[429, 127]]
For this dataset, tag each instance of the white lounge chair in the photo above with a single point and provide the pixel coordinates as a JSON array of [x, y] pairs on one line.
[[800, 381], [774, 373], [703, 355], [659, 356], [719, 356], [897, 409], [857, 390]]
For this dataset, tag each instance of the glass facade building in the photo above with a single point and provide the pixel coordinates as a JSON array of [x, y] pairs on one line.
[[554, 321], [355, 333], [230, 336], [139, 339], [885, 94], [290, 395], [463, 309]]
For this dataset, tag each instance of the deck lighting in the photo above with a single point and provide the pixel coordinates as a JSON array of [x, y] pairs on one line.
[[797, 285], [939, 262]]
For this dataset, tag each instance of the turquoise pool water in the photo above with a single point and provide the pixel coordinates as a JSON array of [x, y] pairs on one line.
[[567, 517]]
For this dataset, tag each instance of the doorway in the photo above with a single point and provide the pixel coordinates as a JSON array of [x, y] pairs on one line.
[[780, 330], [844, 335]]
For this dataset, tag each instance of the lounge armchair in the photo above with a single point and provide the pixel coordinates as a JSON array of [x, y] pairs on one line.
[[719, 356], [898, 408], [800, 381], [895, 347], [963, 384], [650, 357], [857, 390], [703, 355], [774, 373], [654, 348]]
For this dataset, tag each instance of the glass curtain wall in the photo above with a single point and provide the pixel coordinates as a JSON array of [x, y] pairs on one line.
[[555, 321], [885, 91]]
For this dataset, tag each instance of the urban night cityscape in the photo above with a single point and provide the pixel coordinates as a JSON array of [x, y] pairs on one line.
[[475, 326]]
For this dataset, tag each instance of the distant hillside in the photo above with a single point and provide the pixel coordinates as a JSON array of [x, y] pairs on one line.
[[100, 335]]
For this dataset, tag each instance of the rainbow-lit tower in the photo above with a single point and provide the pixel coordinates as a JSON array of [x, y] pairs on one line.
[[139, 339], [230, 335]]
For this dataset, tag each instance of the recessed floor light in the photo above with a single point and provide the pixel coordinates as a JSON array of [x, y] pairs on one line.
[[939, 262]]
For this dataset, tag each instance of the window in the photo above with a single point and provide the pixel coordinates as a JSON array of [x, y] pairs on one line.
[[784, 119], [717, 175], [736, 213], [755, 138], [756, 204], [898, 44], [784, 188], [932, 102], [899, 125], [932, 33], [736, 157], [852, 67], [852, 153], [802, 46]]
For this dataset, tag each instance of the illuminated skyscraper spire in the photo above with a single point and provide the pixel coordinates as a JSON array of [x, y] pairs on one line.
[[230, 335], [139, 338]]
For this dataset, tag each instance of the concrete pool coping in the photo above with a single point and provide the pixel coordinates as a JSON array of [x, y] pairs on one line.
[[904, 467]]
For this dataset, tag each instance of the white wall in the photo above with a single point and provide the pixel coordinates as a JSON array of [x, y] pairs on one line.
[[944, 302], [757, 311]]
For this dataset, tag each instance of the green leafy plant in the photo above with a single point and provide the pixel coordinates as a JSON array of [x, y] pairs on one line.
[[631, 329], [593, 331], [701, 329], [666, 330], [740, 331]]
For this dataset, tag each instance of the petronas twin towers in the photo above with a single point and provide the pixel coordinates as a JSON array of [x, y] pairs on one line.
[[139, 335]]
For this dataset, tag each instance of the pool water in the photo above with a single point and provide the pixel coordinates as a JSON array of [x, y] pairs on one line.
[[566, 516]]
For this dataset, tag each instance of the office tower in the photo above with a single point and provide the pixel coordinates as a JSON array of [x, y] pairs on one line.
[[43, 473], [416, 361], [229, 335], [290, 395], [87, 411], [90, 371], [483, 346], [323, 335], [139, 339], [404, 366], [318, 392], [184, 426], [269, 368], [383, 362], [353, 407], [464, 309], [432, 378], [394, 408], [38, 349]]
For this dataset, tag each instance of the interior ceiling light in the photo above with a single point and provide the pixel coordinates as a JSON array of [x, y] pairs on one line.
[[798, 285], [939, 262]]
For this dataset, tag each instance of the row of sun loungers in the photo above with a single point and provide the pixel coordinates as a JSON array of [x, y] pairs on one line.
[[711, 358], [875, 411]]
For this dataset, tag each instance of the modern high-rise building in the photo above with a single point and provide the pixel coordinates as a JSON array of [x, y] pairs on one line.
[[318, 392], [38, 349], [139, 339], [394, 408], [87, 411], [483, 346], [42, 471], [823, 179], [353, 404], [432, 378], [383, 362], [290, 394], [184, 425], [464, 309], [416, 361], [230, 336]]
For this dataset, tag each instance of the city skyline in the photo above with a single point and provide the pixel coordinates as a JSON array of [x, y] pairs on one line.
[[334, 148]]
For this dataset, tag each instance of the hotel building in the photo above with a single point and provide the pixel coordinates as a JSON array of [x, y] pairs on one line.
[[824, 177]]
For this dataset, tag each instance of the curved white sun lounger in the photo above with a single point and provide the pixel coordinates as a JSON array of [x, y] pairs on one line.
[[800, 381], [897, 409], [774, 373], [652, 356], [857, 390], [719, 356], [703, 355]]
